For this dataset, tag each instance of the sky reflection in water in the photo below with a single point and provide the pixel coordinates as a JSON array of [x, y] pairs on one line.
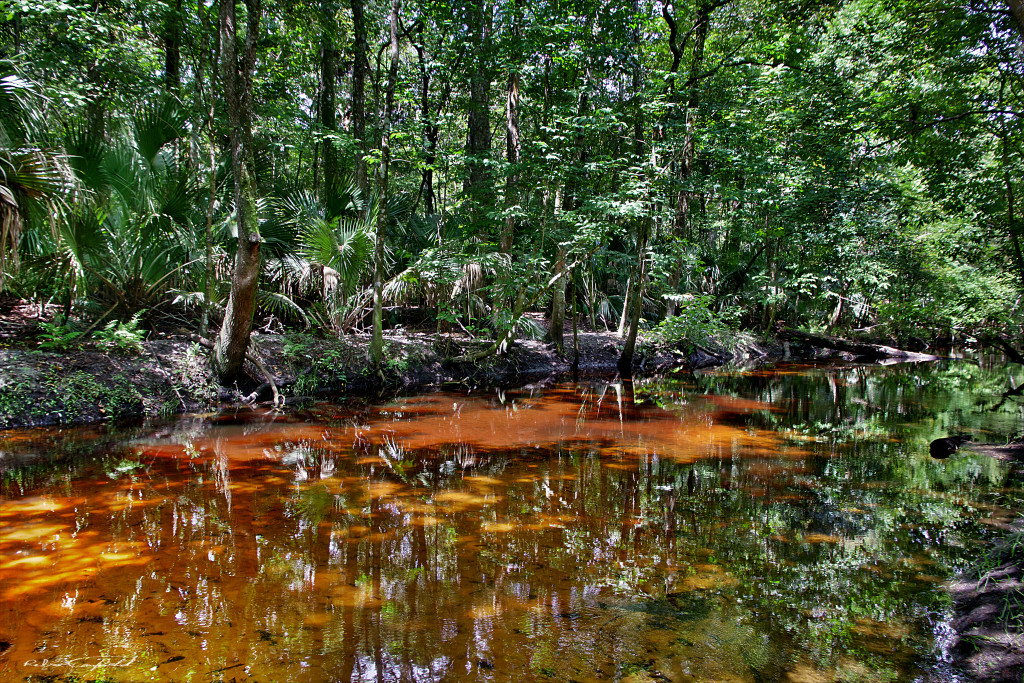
[[775, 525]]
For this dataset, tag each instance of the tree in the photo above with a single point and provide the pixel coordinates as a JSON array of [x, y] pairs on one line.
[[236, 80], [360, 67], [383, 178], [29, 174], [328, 99], [633, 304], [478, 184], [810, 164]]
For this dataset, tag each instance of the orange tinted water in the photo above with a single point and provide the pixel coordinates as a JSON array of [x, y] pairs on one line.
[[567, 534]]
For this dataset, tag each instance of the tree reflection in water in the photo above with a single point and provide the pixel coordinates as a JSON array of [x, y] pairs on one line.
[[746, 526]]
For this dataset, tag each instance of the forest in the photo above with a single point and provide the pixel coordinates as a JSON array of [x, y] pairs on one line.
[[666, 168], [387, 197]]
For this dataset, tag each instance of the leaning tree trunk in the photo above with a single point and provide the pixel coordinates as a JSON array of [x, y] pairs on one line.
[[861, 350], [635, 303], [236, 73]]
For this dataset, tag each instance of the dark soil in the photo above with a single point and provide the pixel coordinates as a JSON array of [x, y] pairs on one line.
[[171, 373]]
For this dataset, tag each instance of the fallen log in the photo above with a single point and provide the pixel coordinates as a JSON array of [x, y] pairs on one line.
[[861, 350]]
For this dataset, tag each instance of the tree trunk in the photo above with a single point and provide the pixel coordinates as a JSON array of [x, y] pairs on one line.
[[96, 103], [207, 60], [575, 325], [236, 74], [682, 224], [328, 97], [620, 331], [377, 343], [211, 204], [557, 331], [635, 302], [478, 186], [360, 67], [513, 143], [172, 47], [513, 146], [430, 133], [1017, 12], [1013, 228], [431, 128], [862, 350]]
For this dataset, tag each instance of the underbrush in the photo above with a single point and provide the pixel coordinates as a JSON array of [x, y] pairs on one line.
[[698, 324]]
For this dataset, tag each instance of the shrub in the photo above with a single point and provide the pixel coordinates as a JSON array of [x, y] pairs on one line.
[[696, 322]]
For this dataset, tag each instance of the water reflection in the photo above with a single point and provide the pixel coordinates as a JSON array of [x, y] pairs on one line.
[[774, 525]]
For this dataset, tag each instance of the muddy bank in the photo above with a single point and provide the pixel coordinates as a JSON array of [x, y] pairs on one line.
[[172, 374], [988, 600]]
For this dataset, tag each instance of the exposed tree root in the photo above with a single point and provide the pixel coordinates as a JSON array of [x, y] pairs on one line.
[[270, 382]]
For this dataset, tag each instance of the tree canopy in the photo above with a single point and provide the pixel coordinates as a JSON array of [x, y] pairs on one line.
[[846, 164]]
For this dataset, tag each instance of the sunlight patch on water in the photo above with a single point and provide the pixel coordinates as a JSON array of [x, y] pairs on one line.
[[748, 527]]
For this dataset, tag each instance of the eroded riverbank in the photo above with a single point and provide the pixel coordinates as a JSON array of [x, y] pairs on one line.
[[172, 375]]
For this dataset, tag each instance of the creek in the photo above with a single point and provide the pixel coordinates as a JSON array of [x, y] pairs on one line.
[[776, 524]]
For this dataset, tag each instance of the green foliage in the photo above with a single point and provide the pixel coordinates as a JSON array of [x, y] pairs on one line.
[[696, 323], [122, 337], [315, 503], [836, 166], [320, 367], [58, 336], [32, 176]]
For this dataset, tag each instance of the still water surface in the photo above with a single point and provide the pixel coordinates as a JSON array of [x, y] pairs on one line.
[[774, 525]]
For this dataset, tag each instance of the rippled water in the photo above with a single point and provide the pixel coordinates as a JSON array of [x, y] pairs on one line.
[[783, 524]]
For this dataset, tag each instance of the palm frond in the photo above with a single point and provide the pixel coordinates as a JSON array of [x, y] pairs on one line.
[[126, 176], [86, 153], [528, 328], [294, 268], [344, 199], [301, 208], [354, 248], [177, 198], [402, 288], [279, 236], [157, 125], [281, 306], [195, 300], [318, 243], [20, 115], [400, 207], [32, 173]]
